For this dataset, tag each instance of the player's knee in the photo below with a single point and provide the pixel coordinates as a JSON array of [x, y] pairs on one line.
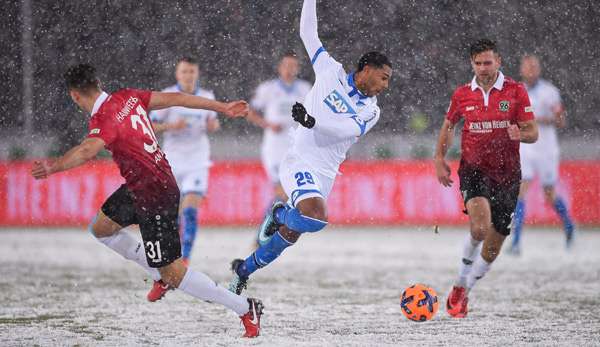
[[315, 211], [479, 229], [311, 222], [490, 253], [98, 231]]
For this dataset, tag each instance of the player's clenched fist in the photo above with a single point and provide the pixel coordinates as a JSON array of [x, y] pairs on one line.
[[514, 133], [238, 108], [299, 114], [40, 170]]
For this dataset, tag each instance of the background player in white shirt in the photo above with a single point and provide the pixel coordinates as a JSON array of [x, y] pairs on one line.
[[274, 99], [339, 109], [186, 145], [541, 158]]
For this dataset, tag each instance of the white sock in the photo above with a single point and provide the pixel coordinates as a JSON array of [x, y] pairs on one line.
[[202, 287], [131, 249], [480, 268], [470, 248]]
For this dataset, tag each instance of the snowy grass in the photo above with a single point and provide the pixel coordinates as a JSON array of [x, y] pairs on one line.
[[337, 287]]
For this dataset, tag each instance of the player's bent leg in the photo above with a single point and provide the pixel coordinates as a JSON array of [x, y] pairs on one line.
[[561, 209], [519, 218], [494, 238], [309, 216], [480, 219], [111, 234], [189, 219]]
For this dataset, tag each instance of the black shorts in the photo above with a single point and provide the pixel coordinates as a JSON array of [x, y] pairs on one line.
[[157, 218], [502, 197]]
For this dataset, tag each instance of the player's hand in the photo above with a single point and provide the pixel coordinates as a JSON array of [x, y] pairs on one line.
[[514, 133], [41, 169], [180, 124], [299, 115], [238, 108], [442, 171]]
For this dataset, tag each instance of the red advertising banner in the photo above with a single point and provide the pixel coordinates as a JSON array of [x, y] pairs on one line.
[[367, 193]]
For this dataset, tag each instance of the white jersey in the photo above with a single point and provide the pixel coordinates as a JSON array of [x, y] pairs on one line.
[[275, 99], [342, 113], [545, 99], [188, 148]]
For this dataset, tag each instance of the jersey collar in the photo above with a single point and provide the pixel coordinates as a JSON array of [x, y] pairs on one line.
[[288, 88], [194, 92], [354, 90], [498, 84], [99, 101]]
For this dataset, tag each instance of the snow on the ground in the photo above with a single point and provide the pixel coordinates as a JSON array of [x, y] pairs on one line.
[[337, 287]]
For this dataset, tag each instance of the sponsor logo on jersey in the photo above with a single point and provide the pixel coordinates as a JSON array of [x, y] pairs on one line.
[[337, 103], [504, 105], [94, 131], [529, 109], [488, 126], [470, 108]]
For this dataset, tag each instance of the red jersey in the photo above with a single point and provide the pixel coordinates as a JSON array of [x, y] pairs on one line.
[[485, 145], [121, 121]]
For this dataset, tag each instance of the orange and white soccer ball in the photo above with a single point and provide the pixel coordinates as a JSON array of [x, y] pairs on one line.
[[419, 303]]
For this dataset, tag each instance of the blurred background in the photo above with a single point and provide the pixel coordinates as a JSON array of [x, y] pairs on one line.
[[238, 43]]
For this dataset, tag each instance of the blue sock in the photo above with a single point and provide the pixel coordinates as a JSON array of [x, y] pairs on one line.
[[518, 222], [190, 226], [296, 221], [561, 209], [280, 214], [264, 255]]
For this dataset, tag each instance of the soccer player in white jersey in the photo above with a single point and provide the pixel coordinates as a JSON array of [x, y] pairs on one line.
[[274, 99], [541, 158], [186, 144], [339, 109]]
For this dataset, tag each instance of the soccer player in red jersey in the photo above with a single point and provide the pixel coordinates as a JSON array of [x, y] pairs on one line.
[[497, 117], [150, 197]]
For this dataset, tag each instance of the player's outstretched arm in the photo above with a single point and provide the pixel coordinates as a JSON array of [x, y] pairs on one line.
[[160, 127], [442, 169], [160, 100], [308, 28], [75, 157]]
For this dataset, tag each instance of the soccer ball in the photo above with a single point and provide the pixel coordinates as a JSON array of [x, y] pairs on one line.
[[419, 303]]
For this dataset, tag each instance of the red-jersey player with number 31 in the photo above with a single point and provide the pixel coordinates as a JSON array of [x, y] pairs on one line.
[[149, 197]]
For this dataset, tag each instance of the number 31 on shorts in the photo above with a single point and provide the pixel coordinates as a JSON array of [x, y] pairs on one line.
[[153, 251]]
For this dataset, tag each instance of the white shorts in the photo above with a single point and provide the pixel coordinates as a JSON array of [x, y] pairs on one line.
[[271, 163], [300, 181], [192, 181], [274, 148], [544, 165]]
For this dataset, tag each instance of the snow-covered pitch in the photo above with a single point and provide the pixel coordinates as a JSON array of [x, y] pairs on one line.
[[338, 287]]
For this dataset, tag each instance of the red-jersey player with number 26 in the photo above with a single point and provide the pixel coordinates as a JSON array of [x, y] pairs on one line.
[[150, 197]]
